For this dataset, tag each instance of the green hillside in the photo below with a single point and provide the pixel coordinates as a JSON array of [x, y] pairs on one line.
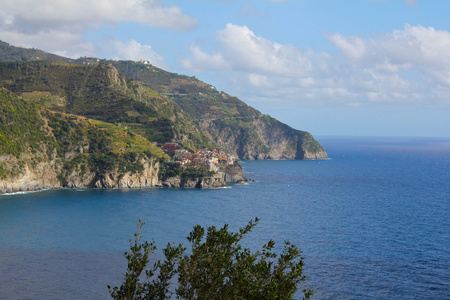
[[159, 105], [30, 134], [100, 92], [229, 122], [11, 53], [21, 126]]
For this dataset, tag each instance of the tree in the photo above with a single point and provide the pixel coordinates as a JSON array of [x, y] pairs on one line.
[[217, 267], [138, 259]]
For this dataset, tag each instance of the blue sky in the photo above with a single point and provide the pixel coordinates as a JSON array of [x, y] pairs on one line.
[[331, 67]]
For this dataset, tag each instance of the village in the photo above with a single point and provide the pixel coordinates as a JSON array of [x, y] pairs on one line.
[[209, 159]]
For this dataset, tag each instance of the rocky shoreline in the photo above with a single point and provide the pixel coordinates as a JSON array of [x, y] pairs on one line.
[[217, 180], [44, 177]]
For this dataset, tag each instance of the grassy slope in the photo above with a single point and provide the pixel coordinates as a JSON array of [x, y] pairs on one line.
[[33, 134], [100, 92], [21, 126], [229, 122], [200, 102], [12, 53]]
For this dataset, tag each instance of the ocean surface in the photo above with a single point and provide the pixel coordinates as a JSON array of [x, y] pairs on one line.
[[373, 222]]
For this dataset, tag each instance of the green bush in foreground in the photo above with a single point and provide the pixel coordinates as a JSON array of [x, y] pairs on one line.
[[217, 267]]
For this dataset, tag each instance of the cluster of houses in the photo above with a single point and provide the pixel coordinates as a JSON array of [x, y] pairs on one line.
[[210, 159]]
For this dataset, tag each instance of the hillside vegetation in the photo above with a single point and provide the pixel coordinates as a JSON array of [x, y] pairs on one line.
[[51, 149], [213, 118], [100, 92], [11, 53], [89, 121], [227, 121]]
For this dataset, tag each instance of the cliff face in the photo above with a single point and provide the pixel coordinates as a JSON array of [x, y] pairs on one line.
[[40, 149], [308, 148], [67, 124], [46, 175], [166, 107], [218, 180], [262, 137], [227, 121], [232, 173], [41, 176], [188, 178], [147, 177], [51, 174], [213, 181]]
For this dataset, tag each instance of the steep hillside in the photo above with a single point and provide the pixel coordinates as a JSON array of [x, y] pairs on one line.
[[40, 149], [11, 53], [100, 92], [226, 120], [162, 106]]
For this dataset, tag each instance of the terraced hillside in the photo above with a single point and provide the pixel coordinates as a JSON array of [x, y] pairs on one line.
[[100, 92], [227, 121], [162, 106], [44, 149]]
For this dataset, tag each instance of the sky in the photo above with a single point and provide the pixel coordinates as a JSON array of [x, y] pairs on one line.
[[330, 67]]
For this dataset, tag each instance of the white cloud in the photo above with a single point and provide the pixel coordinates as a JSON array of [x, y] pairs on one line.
[[241, 50], [426, 50], [247, 52], [202, 61], [50, 12], [59, 25], [132, 50], [257, 68], [404, 66], [56, 41]]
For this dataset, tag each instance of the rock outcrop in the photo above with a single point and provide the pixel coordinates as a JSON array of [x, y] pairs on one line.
[[41, 177], [86, 125], [178, 109], [148, 177], [233, 173], [225, 175], [46, 175], [213, 181]]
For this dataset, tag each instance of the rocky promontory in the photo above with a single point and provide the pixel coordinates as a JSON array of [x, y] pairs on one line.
[[91, 123], [226, 174], [47, 175]]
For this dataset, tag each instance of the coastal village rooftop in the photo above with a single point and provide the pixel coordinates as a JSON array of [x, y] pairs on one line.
[[210, 159]]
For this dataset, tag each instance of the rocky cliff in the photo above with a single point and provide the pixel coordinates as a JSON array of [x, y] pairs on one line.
[[212, 181], [50, 174], [46, 175], [162, 106], [262, 138], [146, 177], [191, 178], [232, 173], [40, 149], [84, 124], [41, 176], [227, 121]]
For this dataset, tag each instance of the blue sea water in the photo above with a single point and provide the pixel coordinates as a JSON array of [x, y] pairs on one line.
[[372, 221]]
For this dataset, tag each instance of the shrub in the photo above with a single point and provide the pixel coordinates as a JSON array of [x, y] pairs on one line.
[[217, 267]]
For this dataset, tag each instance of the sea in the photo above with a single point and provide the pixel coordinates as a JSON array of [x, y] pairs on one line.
[[373, 222]]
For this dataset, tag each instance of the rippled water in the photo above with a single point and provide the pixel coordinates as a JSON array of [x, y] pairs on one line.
[[372, 222]]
